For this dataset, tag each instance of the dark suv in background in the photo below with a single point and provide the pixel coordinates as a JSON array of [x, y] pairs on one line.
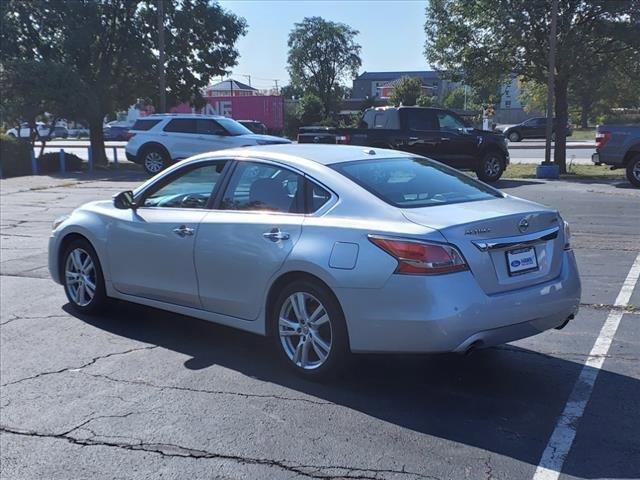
[[431, 132]]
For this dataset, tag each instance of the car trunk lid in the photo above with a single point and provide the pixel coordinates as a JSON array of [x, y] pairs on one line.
[[499, 238]]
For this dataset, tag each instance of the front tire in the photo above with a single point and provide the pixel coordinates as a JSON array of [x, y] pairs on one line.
[[309, 329], [82, 278], [514, 137], [154, 160], [491, 167], [633, 170]]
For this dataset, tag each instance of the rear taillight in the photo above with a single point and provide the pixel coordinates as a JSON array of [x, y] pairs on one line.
[[567, 236], [602, 138], [421, 258], [129, 135], [343, 139]]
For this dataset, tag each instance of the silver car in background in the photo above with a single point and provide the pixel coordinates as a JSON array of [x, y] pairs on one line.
[[327, 249]]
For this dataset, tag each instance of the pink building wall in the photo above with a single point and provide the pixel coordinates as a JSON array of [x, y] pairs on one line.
[[268, 109]]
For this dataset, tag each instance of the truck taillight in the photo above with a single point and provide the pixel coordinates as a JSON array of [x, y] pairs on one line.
[[602, 138], [343, 139], [129, 135], [421, 258]]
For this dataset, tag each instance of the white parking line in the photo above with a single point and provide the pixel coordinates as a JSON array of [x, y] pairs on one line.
[[563, 435]]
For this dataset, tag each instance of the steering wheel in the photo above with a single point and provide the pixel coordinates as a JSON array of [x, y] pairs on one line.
[[194, 200]]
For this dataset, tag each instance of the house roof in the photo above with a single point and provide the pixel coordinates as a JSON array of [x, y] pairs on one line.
[[229, 84], [426, 74]]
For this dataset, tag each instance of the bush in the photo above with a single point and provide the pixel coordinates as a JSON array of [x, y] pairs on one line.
[[50, 162], [15, 156]]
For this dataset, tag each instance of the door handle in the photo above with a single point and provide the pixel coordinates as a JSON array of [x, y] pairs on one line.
[[183, 231], [276, 235]]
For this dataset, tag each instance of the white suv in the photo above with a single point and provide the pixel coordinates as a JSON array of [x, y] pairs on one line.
[[157, 141]]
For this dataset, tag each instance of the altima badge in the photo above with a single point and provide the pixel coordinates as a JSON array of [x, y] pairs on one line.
[[476, 231]]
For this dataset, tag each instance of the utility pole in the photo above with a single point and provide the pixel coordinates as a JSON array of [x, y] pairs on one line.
[[277, 91], [162, 79], [551, 80]]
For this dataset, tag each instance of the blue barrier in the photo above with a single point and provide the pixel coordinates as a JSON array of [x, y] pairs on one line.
[[34, 163], [63, 161], [90, 159]]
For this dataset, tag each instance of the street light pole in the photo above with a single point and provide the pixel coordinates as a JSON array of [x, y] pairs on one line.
[[551, 80], [161, 58]]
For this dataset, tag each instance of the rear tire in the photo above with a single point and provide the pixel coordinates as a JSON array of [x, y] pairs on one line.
[[82, 277], [633, 170], [309, 330], [491, 167], [154, 160], [514, 137]]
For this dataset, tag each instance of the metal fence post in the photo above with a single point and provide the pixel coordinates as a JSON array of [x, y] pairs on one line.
[[115, 156], [34, 163], [63, 163], [90, 159]]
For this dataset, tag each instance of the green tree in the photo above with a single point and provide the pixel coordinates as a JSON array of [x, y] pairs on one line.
[[486, 39], [406, 91], [111, 48], [427, 101], [533, 96], [310, 110], [321, 55]]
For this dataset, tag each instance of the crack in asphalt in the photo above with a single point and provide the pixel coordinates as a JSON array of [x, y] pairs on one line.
[[323, 472], [77, 368], [630, 308], [205, 391], [567, 354], [25, 317]]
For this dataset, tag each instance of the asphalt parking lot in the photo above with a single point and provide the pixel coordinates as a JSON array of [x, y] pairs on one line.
[[141, 393]]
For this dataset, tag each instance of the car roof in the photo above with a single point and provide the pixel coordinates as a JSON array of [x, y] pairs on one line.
[[180, 115], [322, 154]]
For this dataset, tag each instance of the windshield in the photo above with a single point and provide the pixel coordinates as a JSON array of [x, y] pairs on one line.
[[233, 127], [415, 182]]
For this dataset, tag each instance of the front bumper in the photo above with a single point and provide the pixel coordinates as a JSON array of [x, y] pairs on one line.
[[449, 313]]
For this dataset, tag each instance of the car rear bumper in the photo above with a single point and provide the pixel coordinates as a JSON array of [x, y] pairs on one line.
[[131, 157], [449, 313]]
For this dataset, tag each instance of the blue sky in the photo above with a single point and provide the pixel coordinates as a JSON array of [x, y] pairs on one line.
[[391, 34]]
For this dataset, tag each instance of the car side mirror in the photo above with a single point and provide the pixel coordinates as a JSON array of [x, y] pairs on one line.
[[124, 200]]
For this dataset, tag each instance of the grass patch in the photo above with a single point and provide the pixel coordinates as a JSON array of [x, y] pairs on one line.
[[582, 134], [528, 170]]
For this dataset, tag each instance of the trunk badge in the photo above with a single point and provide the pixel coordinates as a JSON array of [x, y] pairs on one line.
[[476, 231], [523, 226]]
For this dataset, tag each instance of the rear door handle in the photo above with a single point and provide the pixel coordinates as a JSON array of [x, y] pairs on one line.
[[183, 231], [276, 235]]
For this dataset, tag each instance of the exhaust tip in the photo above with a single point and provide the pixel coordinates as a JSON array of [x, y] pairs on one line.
[[564, 324]]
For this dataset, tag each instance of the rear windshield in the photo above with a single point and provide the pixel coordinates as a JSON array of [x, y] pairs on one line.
[[415, 182], [145, 124]]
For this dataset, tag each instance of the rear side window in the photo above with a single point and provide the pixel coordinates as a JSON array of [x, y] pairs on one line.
[[261, 186], [146, 124], [182, 125], [421, 120], [415, 182], [318, 196]]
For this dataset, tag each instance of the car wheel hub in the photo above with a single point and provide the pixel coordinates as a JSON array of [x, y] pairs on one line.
[[636, 170], [153, 161], [304, 328], [80, 277], [492, 166]]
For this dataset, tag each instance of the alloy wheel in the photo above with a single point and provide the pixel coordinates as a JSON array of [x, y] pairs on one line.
[[153, 162], [305, 332], [80, 277], [492, 166], [636, 170]]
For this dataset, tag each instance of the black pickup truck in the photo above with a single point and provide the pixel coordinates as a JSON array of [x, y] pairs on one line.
[[431, 132]]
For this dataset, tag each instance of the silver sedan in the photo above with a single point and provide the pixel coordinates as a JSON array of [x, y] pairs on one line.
[[328, 250]]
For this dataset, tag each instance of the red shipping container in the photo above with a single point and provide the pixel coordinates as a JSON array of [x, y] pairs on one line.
[[268, 109]]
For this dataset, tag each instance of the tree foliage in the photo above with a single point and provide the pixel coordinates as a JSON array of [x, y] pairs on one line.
[[321, 55], [406, 91], [486, 40], [110, 48]]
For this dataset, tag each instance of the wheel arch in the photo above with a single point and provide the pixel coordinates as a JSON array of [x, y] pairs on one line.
[[153, 144], [632, 152], [97, 240], [285, 279]]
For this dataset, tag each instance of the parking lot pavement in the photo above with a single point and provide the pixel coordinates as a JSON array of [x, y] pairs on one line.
[[141, 393]]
